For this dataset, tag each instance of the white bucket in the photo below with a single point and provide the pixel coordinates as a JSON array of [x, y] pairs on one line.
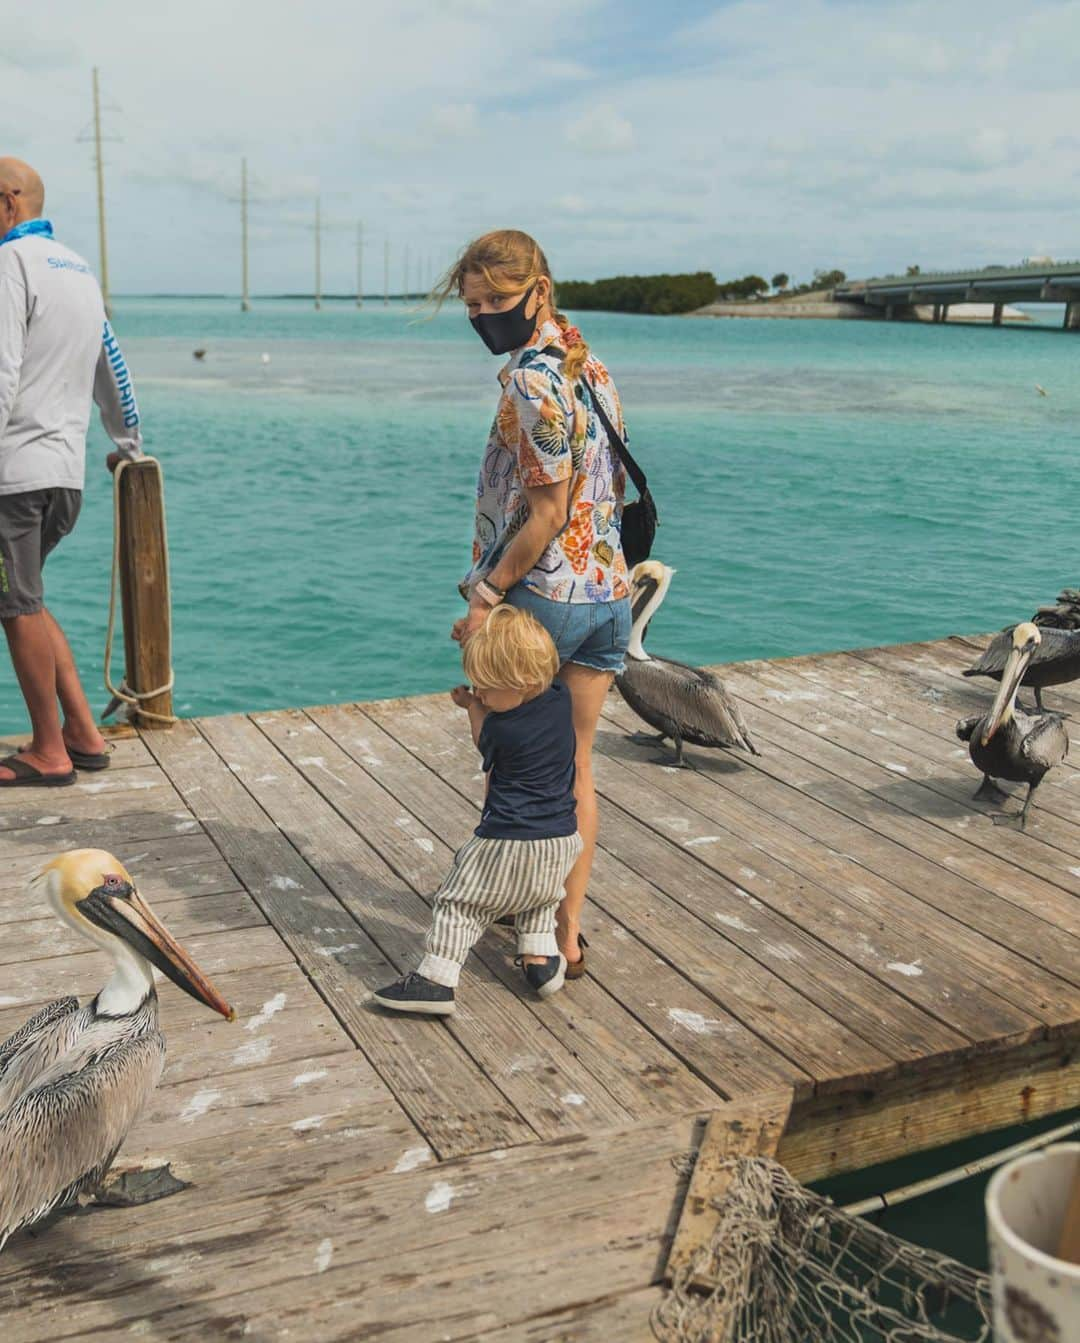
[[1036, 1295]]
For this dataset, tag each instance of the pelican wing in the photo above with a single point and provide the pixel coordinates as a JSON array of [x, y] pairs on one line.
[[692, 699], [62, 1133], [38, 1043], [1047, 743], [1056, 645]]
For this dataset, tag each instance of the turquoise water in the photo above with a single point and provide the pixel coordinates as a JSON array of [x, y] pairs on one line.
[[821, 485]]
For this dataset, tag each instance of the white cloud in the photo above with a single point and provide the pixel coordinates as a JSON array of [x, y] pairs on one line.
[[600, 130]]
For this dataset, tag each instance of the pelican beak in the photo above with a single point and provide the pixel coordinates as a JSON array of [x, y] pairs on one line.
[[1011, 677], [118, 908]]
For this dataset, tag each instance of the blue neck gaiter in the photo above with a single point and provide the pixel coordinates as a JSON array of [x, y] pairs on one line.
[[28, 226]]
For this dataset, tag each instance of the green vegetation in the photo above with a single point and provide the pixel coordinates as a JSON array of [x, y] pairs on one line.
[[781, 280], [750, 286], [641, 293]]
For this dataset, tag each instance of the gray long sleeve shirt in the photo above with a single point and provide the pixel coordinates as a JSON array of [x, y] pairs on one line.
[[57, 352]]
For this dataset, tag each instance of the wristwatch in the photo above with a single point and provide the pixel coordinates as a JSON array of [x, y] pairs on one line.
[[488, 592]]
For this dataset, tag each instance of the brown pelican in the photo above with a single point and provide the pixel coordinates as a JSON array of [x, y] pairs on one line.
[[73, 1079], [684, 703], [1054, 661], [1007, 743]]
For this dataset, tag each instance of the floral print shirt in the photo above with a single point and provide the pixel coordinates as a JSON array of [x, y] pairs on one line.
[[546, 430]]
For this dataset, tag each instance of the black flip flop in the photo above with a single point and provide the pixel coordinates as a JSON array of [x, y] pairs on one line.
[[89, 760], [26, 776]]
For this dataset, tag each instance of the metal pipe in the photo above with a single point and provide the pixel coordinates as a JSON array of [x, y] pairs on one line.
[[878, 1202]]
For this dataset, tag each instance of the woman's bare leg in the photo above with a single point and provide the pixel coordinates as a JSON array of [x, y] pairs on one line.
[[588, 690]]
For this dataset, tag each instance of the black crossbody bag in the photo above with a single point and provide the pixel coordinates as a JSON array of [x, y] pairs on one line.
[[639, 518]]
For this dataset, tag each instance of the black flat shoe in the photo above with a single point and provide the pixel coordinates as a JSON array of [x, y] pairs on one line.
[[414, 993], [546, 976]]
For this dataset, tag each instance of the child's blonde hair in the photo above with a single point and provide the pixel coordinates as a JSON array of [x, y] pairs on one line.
[[509, 261], [510, 651]]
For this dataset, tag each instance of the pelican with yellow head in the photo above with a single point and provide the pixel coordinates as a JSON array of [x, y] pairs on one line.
[[1008, 743], [74, 1078]]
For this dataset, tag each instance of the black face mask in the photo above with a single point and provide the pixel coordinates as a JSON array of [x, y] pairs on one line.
[[502, 332]]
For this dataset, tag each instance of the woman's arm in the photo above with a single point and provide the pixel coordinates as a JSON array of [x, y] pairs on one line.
[[547, 517]]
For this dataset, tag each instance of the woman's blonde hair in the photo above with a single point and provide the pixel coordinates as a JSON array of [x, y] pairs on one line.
[[509, 261], [510, 651]]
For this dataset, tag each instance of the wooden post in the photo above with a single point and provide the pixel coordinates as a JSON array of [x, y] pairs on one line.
[[144, 588]]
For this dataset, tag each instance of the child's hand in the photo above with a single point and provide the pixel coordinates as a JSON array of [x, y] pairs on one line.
[[462, 696]]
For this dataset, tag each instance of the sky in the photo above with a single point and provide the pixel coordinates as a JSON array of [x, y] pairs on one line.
[[629, 136]]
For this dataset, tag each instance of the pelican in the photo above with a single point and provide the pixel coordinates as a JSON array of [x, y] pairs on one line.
[[73, 1079], [1054, 660], [1007, 743], [684, 703]]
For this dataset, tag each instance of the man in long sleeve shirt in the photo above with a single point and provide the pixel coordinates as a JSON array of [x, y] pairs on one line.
[[57, 352]]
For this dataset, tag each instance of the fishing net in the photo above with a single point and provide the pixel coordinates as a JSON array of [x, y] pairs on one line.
[[786, 1266]]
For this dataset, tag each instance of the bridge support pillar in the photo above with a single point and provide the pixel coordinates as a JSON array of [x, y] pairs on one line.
[[1072, 316], [890, 312], [938, 312], [999, 308]]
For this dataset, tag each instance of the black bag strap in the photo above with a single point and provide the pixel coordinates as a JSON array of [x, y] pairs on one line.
[[614, 437]]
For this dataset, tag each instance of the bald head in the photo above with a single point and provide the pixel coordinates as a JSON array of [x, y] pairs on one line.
[[21, 190]]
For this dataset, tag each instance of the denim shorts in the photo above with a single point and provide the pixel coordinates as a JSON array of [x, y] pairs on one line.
[[588, 634]]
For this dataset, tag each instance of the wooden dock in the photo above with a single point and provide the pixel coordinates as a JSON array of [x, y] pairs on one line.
[[836, 920]]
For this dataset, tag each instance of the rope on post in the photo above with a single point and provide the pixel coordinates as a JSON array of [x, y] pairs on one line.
[[123, 693]]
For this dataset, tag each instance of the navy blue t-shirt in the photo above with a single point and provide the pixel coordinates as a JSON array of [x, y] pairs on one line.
[[529, 755]]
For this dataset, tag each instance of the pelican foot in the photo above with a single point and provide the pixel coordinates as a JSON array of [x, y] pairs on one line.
[[647, 738], [135, 1186], [1012, 820]]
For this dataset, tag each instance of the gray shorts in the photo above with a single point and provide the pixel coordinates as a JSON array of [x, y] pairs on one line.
[[31, 524]]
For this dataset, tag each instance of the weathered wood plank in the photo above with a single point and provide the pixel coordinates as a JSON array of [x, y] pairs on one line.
[[48, 835], [968, 980], [760, 997], [426, 1249], [344, 962], [613, 1048], [279, 1017], [945, 799], [498, 1030], [747, 1127], [189, 865], [649, 988], [95, 796], [185, 917], [829, 1136], [218, 954]]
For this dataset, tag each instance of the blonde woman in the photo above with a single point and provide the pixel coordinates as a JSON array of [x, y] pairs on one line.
[[549, 504]]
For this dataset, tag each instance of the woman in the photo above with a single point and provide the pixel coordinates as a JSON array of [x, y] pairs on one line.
[[549, 504]]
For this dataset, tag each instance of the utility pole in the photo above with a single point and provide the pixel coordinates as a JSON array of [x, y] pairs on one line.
[[103, 264], [318, 253], [245, 304], [359, 265], [386, 274]]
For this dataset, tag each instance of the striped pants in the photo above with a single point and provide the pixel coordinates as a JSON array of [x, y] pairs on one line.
[[490, 878]]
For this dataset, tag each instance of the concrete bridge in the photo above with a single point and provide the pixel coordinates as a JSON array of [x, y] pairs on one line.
[[1041, 282]]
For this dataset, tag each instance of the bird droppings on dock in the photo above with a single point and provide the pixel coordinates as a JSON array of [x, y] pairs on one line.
[[49, 820], [198, 1105], [733, 921], [695, 1022], [308, 1123], [702, 839], [439, 1196], [573, 1098], [254, 1051], [324, 1255], [336, 951], [305, 1079], [269, 1010], [410, 1159], [912, 969], [280, 883]]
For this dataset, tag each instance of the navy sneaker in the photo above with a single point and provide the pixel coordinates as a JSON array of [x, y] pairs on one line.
[[414, 993], [547, 976]]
